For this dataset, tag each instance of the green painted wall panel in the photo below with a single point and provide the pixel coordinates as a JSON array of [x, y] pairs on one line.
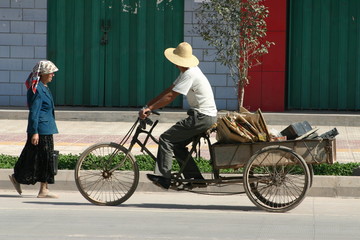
[[323, 55], [128, 70]]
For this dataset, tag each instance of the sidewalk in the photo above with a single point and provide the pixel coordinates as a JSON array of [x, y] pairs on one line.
[[80, 128]]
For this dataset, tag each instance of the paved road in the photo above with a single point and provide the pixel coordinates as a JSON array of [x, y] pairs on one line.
[[171, 215]]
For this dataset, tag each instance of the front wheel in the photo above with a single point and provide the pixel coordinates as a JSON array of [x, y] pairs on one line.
[[276, 179], [106, 174]]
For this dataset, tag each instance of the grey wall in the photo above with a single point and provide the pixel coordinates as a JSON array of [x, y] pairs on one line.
[[22, 44], [218, 75]]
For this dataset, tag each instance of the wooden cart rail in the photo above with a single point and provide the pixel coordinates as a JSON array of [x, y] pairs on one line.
[[314, 151]]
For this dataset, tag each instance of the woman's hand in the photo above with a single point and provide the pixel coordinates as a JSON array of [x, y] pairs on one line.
[[35, 139]]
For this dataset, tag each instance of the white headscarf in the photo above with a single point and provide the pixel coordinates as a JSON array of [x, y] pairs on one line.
[[42, 67]]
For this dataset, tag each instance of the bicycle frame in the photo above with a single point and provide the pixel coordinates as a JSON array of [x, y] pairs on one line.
[[140, 129], [135, 139], [177, 178]]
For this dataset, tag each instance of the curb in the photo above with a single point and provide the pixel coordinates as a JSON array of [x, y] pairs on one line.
[[323, 186]]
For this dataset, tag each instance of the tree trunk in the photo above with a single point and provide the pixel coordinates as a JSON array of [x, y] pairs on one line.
[[241, 93]]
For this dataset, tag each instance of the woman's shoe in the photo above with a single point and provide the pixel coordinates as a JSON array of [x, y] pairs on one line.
[[47, 195], [15, 183]]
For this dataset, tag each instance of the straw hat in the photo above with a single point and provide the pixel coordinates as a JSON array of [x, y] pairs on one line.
[[181, 55]]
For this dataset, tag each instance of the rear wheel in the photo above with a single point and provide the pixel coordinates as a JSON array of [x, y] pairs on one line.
[[106, 174], [276, 179]]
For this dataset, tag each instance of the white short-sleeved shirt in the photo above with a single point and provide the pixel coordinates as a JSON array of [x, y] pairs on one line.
[[196, 87]]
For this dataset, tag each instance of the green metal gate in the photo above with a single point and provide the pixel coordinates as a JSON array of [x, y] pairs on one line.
[[324, 55], [110, 52]]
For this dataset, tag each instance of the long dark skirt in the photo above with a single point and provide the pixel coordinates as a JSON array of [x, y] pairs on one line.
[[35, 163]]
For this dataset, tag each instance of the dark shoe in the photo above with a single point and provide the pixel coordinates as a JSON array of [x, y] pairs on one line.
[[159, 181], [15, 183], [194, 185]]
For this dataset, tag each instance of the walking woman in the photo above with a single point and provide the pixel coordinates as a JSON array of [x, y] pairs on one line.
[[36, 163]]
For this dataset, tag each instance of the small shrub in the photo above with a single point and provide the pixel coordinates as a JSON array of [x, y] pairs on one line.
[[67, 161], [146, 163], [7, 161], [336, 169]]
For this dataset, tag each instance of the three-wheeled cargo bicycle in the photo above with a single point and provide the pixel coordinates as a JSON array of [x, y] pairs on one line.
[[276, 176]]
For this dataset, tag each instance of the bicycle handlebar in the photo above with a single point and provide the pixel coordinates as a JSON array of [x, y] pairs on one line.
[[155, 112], [147, 120], [152, 111]]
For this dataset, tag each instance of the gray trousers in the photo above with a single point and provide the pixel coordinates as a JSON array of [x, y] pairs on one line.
[[174, 141]]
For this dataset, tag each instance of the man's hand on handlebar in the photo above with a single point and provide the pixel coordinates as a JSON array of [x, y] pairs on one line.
[[144, 112]]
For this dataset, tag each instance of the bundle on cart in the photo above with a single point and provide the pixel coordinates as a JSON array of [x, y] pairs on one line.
[[242, 127], [247, 127]]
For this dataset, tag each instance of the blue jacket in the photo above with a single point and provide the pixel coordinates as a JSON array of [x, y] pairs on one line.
[[41, 118]]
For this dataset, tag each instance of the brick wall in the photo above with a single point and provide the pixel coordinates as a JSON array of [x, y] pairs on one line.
[[22, 44], [218, 75]]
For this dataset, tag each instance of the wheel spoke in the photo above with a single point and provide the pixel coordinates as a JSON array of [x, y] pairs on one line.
[[106, 174], [282, 179]]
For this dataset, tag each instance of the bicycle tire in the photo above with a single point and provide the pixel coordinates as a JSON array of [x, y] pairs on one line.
[[97, 183], [276, 179]]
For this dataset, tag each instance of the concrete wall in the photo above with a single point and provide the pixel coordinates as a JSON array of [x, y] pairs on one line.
[[22, 44]]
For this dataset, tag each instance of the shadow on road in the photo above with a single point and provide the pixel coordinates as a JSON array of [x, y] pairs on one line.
[[150, 205], [191, 207], [61, 203], [10, 196]]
